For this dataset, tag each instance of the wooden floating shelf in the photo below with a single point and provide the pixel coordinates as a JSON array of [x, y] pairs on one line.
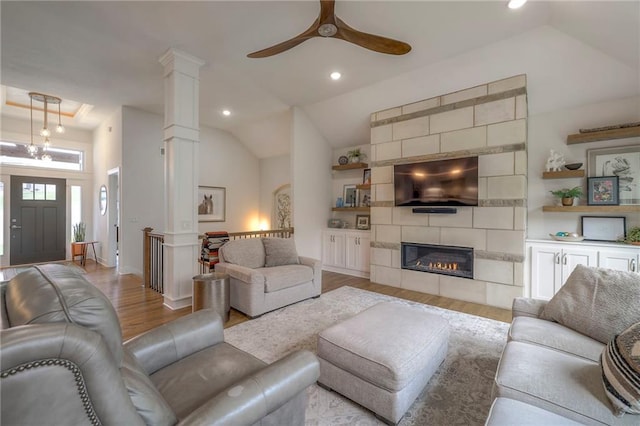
[[593, 209], [350, 166], [626, 132], [364, 186], [563, 174], [350, 209]]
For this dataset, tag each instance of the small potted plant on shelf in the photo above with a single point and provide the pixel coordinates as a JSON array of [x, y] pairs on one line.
[[79, 230], [567, 195], [633, 236], [355, 155]]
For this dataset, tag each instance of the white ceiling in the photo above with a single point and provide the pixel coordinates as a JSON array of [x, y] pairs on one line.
[[106, 54]]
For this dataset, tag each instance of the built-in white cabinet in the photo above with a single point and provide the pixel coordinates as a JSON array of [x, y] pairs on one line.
[[622, 260], [551, 263], [346, 251]]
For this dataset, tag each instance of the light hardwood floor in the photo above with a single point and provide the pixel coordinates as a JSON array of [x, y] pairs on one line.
[[140, 309]]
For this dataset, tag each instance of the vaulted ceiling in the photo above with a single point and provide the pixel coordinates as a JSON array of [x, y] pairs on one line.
[[106, 54]]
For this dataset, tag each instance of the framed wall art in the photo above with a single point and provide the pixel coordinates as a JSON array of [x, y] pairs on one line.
[[350, 196], [603, 228], [366, 177], [211, 204], [362, 221], [603, 191], [623, 162]]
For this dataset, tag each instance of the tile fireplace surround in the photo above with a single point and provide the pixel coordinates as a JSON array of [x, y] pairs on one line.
[[489, 121]]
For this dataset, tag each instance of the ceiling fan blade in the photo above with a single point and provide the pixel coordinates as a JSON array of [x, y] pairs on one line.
[[327, 11], [310, 32], [371, 41]]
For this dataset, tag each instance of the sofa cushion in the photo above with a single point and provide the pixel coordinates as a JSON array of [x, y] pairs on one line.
[[55, 293], [509, 412], [597, 302], [248, 252], [555, 381], [285, 276], [554, 336], [280, 251], [621, 371]]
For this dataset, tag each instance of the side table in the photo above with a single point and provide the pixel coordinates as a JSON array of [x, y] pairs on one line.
[[211, 291]]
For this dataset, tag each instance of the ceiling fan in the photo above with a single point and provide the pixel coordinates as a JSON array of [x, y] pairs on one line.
[[329, 25]]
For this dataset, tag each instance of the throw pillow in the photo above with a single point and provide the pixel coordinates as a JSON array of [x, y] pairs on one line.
[[247, 252], [280, 251], [596, 302], [620, 363]]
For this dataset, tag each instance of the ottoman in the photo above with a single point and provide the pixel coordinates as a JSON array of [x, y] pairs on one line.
[[383, 357]]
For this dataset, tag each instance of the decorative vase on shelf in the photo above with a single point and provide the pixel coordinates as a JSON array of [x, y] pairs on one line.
[[567, 201]]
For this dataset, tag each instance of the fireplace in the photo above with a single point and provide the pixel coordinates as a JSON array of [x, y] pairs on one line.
[[438, 259]]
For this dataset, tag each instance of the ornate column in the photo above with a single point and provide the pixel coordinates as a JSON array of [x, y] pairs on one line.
[[181, 143]]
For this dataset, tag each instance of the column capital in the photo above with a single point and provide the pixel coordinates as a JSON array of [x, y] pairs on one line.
[[178, 60]]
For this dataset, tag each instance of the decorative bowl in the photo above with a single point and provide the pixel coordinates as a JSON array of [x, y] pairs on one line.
[[573, 166], [567, 238]]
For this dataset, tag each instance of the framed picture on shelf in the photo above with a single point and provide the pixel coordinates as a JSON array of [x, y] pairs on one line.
[[211, 204], [366, 177], [603, 191], [623, 162], [350, 196], [603, 228], [362, 221]]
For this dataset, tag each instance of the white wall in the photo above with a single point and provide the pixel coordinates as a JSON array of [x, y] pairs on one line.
[[274, 173], [107, 148], [548, 131], [17, 130], [311, 184], [141, 184], [225, 162]]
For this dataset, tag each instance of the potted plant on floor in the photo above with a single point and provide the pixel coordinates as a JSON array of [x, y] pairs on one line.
[[567, 195], [79, 230]]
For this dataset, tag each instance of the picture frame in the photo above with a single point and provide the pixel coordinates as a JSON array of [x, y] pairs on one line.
[[362, 221], [603, 228], [366, 177], [624, 162], [211, 204], [603, 191], [350, 196]]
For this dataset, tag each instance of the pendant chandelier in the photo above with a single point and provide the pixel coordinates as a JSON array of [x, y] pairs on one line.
[[45, 132]]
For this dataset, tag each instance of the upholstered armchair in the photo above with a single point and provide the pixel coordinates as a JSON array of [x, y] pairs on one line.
[[267, 274], [63, 362]]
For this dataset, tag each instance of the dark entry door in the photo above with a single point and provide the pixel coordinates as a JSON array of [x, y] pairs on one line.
[[38, 219]]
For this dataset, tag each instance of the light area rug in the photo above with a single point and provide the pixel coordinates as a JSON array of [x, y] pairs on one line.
[[459, 393]]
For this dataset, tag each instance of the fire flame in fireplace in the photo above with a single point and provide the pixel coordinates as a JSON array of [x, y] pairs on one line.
[[443, 266]]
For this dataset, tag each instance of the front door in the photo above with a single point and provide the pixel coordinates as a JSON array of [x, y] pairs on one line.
[[38, 219]]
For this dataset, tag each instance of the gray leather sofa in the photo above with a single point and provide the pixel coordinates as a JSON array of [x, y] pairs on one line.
[[267, 274], [554, 373], [63, 362]]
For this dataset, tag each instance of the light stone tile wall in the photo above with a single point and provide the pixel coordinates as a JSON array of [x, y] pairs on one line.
[[490, 121]]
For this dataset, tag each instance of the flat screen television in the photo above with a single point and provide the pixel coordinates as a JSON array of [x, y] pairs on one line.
[[437, 183]]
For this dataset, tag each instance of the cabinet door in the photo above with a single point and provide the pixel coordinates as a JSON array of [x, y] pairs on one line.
[[333, 249], [364, 243], [573, 257], [620, 260], [357, 249], [545, 271]]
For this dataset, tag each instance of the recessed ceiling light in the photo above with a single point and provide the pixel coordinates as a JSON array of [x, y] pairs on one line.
[[335, 75], [226, 112], [516, 4]]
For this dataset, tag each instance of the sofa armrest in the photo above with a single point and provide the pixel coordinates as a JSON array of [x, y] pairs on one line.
[[241, 273], [177, 339], [527, 307], [260, 394]]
